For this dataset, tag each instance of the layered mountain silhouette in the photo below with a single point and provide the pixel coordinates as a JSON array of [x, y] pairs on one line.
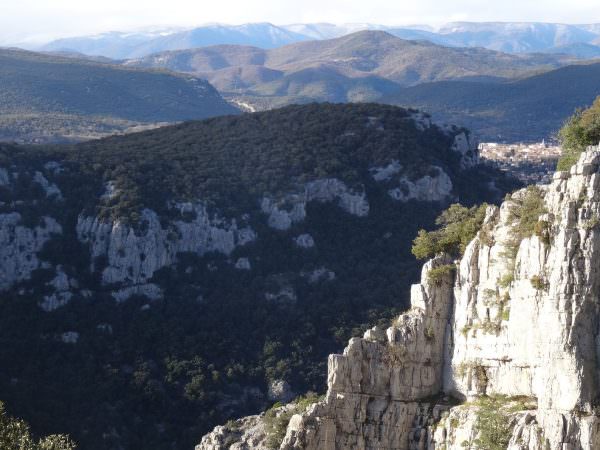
[[506, 37], [363, 66]]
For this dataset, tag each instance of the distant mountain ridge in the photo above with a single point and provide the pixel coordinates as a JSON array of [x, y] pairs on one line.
[[124, 46], [363, 66], [527, 109], [509, 37]]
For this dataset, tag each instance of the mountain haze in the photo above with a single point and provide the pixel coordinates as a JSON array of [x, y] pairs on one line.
[[507, 37], [131, 45]]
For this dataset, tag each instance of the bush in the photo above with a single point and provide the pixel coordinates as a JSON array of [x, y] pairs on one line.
[[539, 283], [438, 274], [524, 215], [278, 417], [579, 131], [15, 434], [493, 424], [459, 226]]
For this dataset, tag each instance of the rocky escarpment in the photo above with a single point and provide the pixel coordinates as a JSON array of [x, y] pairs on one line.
[[127, 257], [511, 331], [153, 283]]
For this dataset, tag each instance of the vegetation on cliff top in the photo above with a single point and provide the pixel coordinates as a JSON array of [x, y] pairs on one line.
[[581, 130], [459, 225]]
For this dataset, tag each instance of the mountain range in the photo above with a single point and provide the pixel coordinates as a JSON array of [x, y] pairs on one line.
[[362, 66], [506, 37], [46, 98]]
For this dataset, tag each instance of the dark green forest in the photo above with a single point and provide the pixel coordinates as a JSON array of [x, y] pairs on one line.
[[160, 376], [49, 98]]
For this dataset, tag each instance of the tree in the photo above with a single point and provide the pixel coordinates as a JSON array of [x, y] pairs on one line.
[[459, 225], [579, 131], [15, 435]]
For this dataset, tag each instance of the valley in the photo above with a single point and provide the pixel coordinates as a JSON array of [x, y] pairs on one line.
[[287, 235], [204, 263]]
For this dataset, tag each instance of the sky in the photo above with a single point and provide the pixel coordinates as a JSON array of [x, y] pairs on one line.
[[42, 20]]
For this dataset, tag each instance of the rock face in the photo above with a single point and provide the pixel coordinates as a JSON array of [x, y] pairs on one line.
[[292, 207], [19, 246], [430, 188], [248, 433], [133, 256], [517, 318]]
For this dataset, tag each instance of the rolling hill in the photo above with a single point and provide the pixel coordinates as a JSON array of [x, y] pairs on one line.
[[362, 66], [48, 98], [580, 50], [531, 108]]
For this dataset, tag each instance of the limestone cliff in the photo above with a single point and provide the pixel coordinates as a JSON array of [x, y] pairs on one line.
[[511, 332]]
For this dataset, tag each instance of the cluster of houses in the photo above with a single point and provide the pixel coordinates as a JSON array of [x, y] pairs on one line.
[[531, 163]]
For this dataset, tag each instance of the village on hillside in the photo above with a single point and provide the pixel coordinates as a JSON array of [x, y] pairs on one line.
[[531, 163]]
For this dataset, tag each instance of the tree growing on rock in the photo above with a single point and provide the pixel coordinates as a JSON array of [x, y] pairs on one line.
[[581, 130]]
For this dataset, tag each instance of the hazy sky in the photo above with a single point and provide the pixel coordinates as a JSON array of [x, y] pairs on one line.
[[43, 19]]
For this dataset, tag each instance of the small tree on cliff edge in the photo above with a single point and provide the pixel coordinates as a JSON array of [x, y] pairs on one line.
[[579, 131]]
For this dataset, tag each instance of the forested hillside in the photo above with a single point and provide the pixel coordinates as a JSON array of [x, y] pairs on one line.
[[526, 109], [163, 282], [49, 98]]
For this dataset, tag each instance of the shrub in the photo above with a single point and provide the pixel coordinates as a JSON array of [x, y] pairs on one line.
[[506, 280], [524, 215], [579, 131], [429, 333], [459, 225], [539, 282], [542, 230], [15, 434], [277, 419], [527, 210], [493, 423], [438, 274]]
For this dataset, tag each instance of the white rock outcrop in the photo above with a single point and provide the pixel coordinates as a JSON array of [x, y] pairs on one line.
[[248, 433], [51, 189], [290, 209], [280, 391], [133, 256], [429, 188], [62, 294], [243, 264], [518, 321], [304, 241], [19, 247], [468, 149]]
